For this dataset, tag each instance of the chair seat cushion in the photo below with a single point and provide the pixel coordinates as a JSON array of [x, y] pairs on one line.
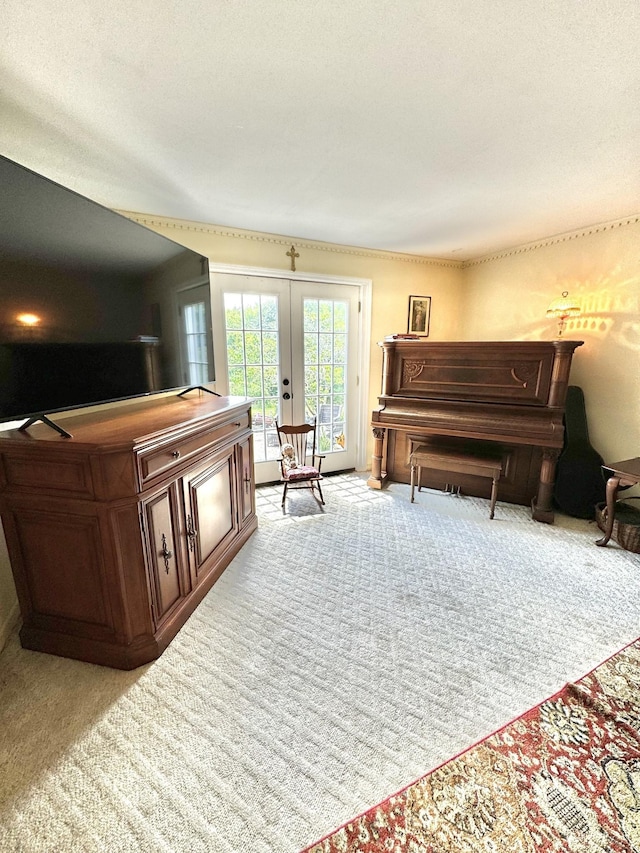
[[302, 472]]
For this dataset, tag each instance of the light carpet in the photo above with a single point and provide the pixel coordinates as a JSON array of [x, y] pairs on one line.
[[341, 655]]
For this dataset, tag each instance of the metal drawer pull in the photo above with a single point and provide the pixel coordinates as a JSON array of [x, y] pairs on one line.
[[166, 553], [176, 454]]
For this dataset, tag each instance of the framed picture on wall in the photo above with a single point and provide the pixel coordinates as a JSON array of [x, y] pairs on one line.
[[419, 315]]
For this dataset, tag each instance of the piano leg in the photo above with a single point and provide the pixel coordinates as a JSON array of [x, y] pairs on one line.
[[542, 504], [378, 474]]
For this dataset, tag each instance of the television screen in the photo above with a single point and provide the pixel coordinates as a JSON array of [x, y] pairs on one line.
[[93, 306]]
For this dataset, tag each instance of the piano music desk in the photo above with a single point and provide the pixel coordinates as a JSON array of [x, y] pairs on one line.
[[455, 462]]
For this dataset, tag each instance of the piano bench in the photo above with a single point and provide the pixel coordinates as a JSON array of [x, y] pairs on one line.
[[455, 461]]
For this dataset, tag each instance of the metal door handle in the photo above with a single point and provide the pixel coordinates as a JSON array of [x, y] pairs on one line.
[[166, 553], [191, 533]]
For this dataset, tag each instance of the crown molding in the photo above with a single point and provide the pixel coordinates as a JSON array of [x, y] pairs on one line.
[[260, 237], [336, 248], [554, 240]]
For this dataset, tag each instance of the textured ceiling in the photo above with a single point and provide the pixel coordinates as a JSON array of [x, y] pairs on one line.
[[448, 129]]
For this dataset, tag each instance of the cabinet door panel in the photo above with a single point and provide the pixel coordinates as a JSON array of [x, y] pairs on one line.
[[211, 510], [167, 587], [63, 572]]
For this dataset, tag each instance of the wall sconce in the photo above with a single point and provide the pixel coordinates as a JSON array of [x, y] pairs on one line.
[[563, 307]]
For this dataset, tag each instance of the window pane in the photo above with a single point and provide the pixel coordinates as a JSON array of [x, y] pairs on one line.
[[325, 343], [325, 315], [310, 380], [235, 348], [233, 310], [310, 349], [270, 348], [324, 379], [251, 311], [340, 349], [252, 348], [237, 387], [254, 381], [269, 306], [310, 310], [270, 378], [340, 316]]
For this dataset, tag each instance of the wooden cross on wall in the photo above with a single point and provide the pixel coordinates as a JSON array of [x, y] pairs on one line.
[[293, 255]]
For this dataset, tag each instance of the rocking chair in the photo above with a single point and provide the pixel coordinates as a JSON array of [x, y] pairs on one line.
[[294, 449]]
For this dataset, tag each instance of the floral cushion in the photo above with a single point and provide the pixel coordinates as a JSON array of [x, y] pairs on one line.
[[301, 472]]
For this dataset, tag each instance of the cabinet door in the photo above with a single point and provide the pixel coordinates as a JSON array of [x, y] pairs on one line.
[[211, 511], [245, 483], [168, 583]]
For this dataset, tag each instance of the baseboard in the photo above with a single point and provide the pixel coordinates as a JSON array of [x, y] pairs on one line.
[[8, 624]]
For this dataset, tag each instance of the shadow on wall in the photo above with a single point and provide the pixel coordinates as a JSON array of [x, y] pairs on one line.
[[604, 314], [609, 314]]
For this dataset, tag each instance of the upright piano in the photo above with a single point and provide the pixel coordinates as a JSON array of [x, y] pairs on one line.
[[494, 397]]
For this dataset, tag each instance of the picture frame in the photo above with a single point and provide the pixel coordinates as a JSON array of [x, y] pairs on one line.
[[419, 316]]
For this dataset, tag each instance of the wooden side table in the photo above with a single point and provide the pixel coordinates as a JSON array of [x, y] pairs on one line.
[[625, 473]]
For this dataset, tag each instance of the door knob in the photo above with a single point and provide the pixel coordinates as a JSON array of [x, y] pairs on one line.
[[286, 396]]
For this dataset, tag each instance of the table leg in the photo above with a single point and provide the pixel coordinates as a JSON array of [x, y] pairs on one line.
[[494, 497], [413, 480], [611, 492]]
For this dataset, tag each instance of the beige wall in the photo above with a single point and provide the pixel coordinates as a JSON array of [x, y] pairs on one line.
[[506, 298]]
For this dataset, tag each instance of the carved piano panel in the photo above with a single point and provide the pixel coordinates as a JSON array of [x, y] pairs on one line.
[[455, 372]]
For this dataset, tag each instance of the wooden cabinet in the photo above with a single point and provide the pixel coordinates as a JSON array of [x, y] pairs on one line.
[[116, 534]]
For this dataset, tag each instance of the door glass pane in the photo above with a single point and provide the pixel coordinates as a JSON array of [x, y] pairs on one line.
[[325, 355], [195, 331], [253, 343]]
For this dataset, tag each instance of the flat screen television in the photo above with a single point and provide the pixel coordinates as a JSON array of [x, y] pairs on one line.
[[93, 306]]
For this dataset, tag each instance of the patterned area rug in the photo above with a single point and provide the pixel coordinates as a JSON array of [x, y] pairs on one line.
[[565, 776]]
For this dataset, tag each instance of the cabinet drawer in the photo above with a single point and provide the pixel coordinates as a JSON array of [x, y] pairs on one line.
[[159, 461]]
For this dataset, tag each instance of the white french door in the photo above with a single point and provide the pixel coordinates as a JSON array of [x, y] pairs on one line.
[[292, 346]]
